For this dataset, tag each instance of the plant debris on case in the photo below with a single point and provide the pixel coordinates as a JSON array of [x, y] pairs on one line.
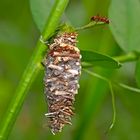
[[62, 72]]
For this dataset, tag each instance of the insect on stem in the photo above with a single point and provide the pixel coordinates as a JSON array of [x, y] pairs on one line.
[[98, 18]]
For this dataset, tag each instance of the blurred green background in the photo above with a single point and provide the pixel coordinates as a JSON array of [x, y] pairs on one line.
[[93, 107]]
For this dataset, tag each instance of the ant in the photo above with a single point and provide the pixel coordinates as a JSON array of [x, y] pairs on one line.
[[97, 18]]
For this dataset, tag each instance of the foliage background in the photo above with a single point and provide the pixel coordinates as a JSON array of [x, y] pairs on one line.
[[18, 37]]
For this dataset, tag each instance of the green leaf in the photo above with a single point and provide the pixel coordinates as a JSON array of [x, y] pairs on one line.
[[137, 74], [40, 10], [125, 23], [91, 58]]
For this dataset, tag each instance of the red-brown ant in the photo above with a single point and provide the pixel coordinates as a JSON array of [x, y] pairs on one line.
[[97, 18]]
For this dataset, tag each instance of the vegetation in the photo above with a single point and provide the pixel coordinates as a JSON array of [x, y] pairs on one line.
[[110, 62]]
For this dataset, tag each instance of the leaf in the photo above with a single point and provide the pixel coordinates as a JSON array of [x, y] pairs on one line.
[[96, 59], [40, 10], [137, 73], [125, 23]]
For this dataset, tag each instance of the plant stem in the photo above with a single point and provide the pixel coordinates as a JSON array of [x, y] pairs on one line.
[[112, 95], [113, 106], [89, 25], [97, 75], [127, 87], [31, 71], [136, 90], [132, 56]]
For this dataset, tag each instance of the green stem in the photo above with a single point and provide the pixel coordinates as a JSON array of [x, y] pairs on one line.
[[89, 25], [96, 75], [136, 90], [113, 106], [112, 95], [133, 89], [31, 71], [132, 56]]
